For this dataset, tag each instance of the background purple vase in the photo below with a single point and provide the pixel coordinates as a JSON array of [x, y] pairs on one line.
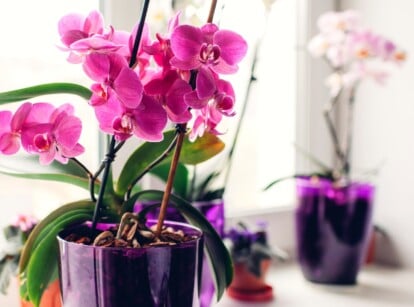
[[213, 210], [333, 226], [166, 276]]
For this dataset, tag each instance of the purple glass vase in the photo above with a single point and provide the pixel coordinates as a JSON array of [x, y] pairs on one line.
[[213, 210], [166, 276], [333, 225]]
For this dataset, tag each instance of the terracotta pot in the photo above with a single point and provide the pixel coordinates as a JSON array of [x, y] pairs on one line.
[[50, 298], [248, 287]]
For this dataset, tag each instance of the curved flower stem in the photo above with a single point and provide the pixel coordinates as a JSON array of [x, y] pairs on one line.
[[133, 62], [95, 176], [341, 154], [110, 156], [151, 166], [82, 166], [334, 136], [92, 178], [168, 188], [350, 131]]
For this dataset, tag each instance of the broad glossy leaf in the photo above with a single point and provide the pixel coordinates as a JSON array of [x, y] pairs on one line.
[[218, 254], [45, 89], [137, 163], [77, 181], [44, 259], [46, 224], [202, 149], [28, 167], [196, 152]]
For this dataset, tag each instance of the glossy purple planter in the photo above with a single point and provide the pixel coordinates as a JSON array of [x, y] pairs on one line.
[[333, 225], [166, 276], [214, 212]]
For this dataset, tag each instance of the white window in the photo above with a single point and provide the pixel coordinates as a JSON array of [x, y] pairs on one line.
[[265, 148]]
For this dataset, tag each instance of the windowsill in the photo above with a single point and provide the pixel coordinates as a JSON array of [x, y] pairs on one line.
[[378, 286]]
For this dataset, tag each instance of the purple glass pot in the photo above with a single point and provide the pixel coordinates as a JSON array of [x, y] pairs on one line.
[[214, 212], [333, 225], [166, 276]]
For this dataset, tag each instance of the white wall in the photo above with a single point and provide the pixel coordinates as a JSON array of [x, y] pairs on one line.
[[384, 130]]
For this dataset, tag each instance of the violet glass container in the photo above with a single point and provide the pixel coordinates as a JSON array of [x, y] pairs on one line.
[[333, 225], [214, 212], [163, 276]]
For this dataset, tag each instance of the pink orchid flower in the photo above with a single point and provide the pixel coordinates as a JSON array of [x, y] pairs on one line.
[[53, 133], [11, 128], [221, 98], [143, 58], [205, 120], [161, 48], [146, 121], [170, 89], [208, 46], [82, 34], [344, 21], [115, 80]]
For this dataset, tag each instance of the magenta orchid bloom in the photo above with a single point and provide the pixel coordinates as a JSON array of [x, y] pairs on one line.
[[147, 121], [161, 48], [122, 104], [222, 98], [52, 133], [81, 35], [169, 90], [116, 80], [219, 50], [11, 128], [205, 120]]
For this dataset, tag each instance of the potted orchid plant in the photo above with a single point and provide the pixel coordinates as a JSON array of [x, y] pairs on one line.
[[167, 92], [334, 212]]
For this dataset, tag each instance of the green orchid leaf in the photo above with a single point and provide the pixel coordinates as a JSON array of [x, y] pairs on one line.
[[137, 164], [180, 184], [30, 164], [195, 152], [46, 224], [204, 187], [202, 149], [45, 89], [316, 174], [218, 255], [44, 259], [28, 167], [77, 181], [212, 195]]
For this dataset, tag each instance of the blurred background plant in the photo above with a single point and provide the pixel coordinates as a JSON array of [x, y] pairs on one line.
[[12, 243], [249, 245]]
